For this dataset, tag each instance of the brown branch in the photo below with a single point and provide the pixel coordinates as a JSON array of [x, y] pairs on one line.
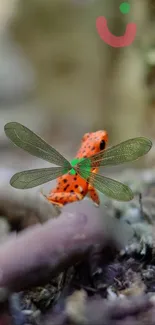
[[39, 252]]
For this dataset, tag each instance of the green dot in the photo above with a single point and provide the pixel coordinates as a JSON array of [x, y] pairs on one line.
[[124, 8], [73, 163], [87, 166], [72, 171]]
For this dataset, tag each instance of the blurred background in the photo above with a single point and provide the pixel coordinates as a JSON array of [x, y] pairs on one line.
[[60, 79]]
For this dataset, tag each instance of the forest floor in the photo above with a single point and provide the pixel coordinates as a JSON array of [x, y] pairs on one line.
[[81, 264]]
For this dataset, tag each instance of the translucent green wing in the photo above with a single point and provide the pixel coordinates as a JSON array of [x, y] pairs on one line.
[[126, 151], [24, 138], [35, 177], [108, 186]]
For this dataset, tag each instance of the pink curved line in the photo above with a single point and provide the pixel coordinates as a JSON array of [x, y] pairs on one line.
[[112, 40]]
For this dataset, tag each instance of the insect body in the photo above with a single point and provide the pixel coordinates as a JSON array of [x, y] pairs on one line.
[[80, 176], [72, 187]]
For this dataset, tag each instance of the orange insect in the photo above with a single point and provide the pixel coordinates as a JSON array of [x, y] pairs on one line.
[[79, 177], [70, 187]]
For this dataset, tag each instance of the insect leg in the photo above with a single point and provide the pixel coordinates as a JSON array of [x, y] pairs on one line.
[[92, 192]]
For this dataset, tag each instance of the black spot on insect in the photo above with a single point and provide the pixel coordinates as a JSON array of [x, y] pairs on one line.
[[76, 186], [72, 191], [102, 145], [82, 192], [65, 180], [65, 188], [75, 178]]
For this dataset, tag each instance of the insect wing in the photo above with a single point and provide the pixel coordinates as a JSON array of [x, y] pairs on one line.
[[126, 151], [108, 186], [26, 139], [35, 177]]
